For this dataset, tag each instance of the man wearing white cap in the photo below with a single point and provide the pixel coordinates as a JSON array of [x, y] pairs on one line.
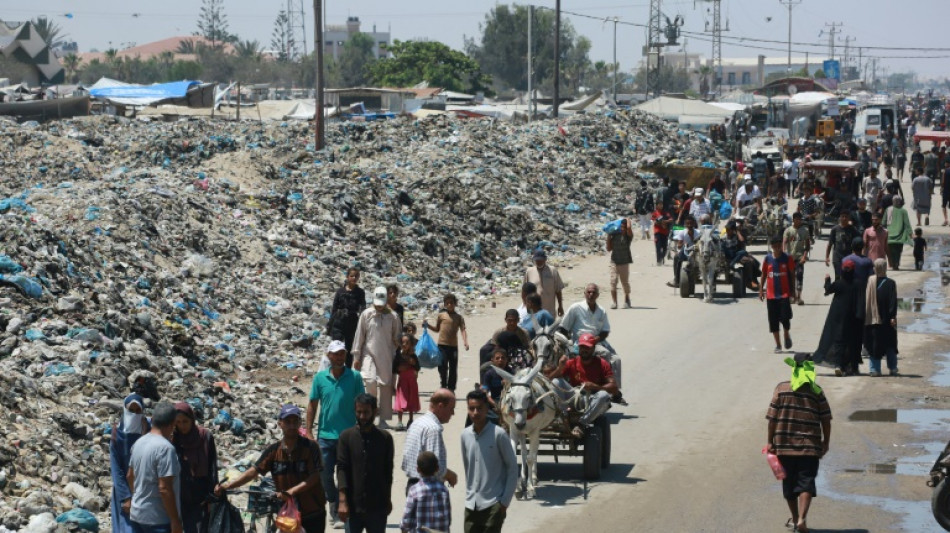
[[334, 391], [700, 205], [377, 336]]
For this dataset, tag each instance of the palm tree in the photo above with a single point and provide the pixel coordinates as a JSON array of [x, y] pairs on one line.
[[187, 46], [112, 56], [704, 72], [248, 49], [48, 30], [71, 64]]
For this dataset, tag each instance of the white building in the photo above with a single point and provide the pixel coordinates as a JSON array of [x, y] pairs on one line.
[[336, 36], [736, 72]]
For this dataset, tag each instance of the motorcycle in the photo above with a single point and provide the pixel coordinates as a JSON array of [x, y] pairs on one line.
[[940, 501]]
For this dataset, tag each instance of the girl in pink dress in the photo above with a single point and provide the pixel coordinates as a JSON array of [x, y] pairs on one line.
[[406, 368]]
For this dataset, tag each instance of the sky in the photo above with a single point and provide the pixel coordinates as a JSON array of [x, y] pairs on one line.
[[102, 24]]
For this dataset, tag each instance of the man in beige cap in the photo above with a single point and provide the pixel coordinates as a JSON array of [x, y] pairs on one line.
[[377, 336]]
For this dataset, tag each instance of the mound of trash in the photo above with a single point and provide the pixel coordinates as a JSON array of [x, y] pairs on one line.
[[181, 257]]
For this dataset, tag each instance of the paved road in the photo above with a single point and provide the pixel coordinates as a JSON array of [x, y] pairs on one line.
[[686, 451]]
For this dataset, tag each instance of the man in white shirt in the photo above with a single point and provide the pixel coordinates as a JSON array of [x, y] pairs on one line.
[[748, 194], [588, 317], [684, 239], [700, 205]]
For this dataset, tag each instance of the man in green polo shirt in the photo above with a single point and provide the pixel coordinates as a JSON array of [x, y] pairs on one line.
[[335, 391]]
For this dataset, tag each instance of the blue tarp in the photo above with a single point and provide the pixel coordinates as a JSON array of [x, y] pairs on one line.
[[158, 91]]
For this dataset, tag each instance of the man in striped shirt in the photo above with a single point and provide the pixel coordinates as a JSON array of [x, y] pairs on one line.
[[799, 433], [425, 435]]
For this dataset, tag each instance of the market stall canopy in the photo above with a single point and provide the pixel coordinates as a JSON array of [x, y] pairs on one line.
[[190, 93], [673, 108]]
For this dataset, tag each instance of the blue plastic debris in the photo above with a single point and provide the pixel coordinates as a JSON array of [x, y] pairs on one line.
[[81, 517], [8, 265], [28, 286]]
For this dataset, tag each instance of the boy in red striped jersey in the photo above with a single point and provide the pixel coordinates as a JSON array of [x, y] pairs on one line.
[[777, 286]]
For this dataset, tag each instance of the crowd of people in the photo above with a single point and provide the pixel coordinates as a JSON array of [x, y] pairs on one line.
[[165, 469]]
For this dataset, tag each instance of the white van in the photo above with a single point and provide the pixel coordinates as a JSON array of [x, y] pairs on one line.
[[871, 121]]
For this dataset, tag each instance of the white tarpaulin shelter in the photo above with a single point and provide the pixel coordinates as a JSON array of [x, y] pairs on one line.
[[673, 108]]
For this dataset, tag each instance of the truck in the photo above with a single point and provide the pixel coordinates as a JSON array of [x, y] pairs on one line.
[[873, 118]]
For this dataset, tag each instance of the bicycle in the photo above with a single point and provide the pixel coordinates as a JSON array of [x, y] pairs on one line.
[[262, 504]]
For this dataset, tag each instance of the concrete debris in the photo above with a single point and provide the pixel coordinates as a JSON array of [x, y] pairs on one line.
[[182, 259]]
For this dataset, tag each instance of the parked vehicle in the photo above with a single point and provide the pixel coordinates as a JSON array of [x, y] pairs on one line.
[[873, 119]]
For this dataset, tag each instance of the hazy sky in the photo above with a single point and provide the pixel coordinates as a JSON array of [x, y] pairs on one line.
[[882, 23]]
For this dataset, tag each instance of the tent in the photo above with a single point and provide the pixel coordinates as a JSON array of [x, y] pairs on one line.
[[673, 108], [191, 93]]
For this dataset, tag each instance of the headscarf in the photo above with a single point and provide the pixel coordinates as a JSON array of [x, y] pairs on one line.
[[803, 373], [131, 426], [192, 445]]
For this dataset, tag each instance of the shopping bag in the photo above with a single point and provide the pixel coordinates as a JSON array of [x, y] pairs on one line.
[[427, 351], [288, 519], [613, 226]]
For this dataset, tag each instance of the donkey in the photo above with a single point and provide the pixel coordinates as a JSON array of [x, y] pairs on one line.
[[710, 257], [528, 405]]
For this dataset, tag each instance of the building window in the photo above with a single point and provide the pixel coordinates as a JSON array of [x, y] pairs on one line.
[[732, 78], [746, 78]]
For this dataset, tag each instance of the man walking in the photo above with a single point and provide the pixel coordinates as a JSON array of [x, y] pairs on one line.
[[154, 477], [618, 244], [425, 434], [945, 191], [334, 392], [797, 243], [839, 242], [377, 336], [875, 239], [799, 433], [491, 469], [546, 278], [294, 464], [923, 187], [365, 471], [644, 206], [776, 286]]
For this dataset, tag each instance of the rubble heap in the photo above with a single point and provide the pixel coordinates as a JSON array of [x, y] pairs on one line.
[[191, 254]]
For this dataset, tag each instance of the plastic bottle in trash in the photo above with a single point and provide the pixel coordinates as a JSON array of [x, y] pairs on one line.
[[776, 465]]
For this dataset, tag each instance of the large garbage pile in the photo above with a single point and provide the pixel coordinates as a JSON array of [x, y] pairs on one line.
[[189, 255]]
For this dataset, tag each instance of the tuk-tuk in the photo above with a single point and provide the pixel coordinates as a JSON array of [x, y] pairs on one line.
[[830, 175]]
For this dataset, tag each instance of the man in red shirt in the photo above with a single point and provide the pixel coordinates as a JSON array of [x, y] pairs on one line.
[[776, 285], [590, 372]]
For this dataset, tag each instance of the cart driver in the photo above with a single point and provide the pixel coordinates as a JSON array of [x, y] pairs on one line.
[[684, 239], [590, 372], [749, 194]]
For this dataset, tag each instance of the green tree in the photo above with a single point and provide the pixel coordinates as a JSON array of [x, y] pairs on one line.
[[503, 50], [280, 37], [248, 50], [71, 65], [49, 31], [355, 60], [413, 62], [672, 80], [187, 46], [704, 71], [819, 74], [213, 23]]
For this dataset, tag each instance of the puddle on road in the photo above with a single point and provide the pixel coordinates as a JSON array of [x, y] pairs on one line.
[[921, 419]]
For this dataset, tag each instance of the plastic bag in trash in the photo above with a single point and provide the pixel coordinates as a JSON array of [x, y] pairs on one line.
[[81, 517], [225, 518], [9, 266], [428, 351], [27, 286], [58, 369]]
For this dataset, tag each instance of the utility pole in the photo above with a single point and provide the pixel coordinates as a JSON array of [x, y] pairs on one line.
[[653, 47], [790, 4], [847, 52], [557, 55], [530, 95], [835, 29], [616, 65], [717, 44], [861, 70], [318, 123]]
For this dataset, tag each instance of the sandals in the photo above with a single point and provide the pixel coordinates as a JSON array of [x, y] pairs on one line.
[[790, 525]]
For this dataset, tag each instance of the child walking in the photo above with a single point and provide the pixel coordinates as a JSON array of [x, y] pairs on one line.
[[448, 325], [776, 285], [920, 248], [406, 367]]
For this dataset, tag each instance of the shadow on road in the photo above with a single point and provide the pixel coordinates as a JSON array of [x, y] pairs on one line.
[[819, 530], [563, 483]]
